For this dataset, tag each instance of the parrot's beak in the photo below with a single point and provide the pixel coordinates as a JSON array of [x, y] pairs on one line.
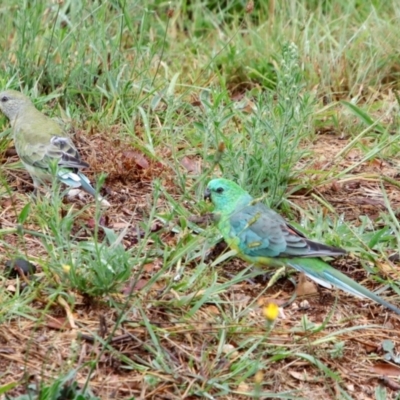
[[207, 194]]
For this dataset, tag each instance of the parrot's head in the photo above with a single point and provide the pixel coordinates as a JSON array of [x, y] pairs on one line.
[[225, 194], [13, 103]]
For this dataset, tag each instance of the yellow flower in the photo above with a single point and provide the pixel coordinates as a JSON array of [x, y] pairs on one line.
[[271, 312], [66, 268], [259, 377]]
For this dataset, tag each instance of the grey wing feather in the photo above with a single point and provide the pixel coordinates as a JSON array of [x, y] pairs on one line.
[[264, 233], [60, 148], [66, 151], [259, 230]]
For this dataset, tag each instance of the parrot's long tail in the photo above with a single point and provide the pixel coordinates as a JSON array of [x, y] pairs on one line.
[[325, 275], [78, 179], [85, 184]]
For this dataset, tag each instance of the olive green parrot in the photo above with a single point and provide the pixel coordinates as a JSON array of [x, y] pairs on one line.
[[40, 142]]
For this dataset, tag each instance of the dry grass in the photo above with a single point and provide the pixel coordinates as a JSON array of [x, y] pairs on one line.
[[40, 348], [163, 98]]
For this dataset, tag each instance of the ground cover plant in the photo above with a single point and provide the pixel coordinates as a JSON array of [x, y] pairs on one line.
[[296, 101]]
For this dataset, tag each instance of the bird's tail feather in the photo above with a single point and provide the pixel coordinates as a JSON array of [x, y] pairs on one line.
[[87, 187], [78, 179], [85, 184], [321, 272]]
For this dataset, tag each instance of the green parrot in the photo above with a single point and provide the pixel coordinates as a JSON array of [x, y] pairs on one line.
[[262, 237], [40, 141]]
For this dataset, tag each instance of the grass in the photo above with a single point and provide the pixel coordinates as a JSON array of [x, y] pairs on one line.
[[295, 101]]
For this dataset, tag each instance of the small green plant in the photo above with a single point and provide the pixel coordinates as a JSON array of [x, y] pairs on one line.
[[98, 268], [388, 347], [337, 351], [90, 258], [64, 387], [263, 155]]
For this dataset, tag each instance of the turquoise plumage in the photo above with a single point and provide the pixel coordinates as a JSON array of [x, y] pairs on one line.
[[262, 237]]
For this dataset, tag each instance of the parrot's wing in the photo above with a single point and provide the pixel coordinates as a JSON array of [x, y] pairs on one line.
[[261, 232], [41, 155], [64, 149]]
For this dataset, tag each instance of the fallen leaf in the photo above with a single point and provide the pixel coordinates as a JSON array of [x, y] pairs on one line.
[[230, 350], [192, 165], [137, 285], [131, 158], [305, 286], [350, 387], [304, 377], [243, 388], [11, 288], [237, 96], [353, 154], [212, 310], [119, 225], [59, 324], [61, 301], [383, 368], [196, 103], [387, 269], [390, 383], [6, 203], [91, 223], [300, 376], [263, 301], [376, 162], [336, 187], [151, 267], [241, 299], [156, 226], [103, 221]]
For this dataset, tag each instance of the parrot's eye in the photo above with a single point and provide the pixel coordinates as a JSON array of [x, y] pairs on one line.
[[220, 190], [4, 99]]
